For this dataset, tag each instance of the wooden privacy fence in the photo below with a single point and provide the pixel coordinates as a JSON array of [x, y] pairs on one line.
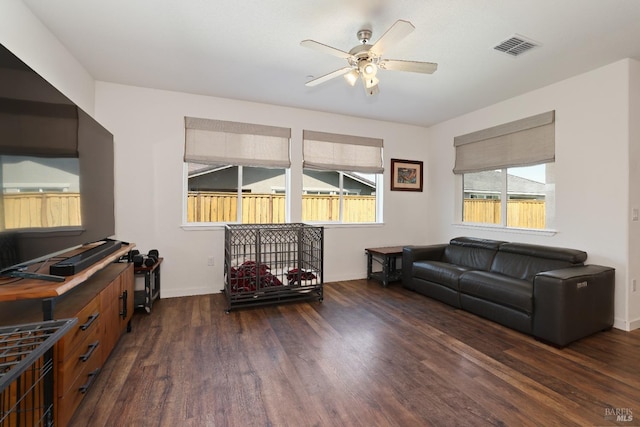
[[223, 207], [520, 213], [326, 207], [37, 210], [270, 208]]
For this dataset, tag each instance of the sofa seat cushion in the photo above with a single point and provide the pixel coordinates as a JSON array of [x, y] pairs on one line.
[[442, 273], [500, 289]]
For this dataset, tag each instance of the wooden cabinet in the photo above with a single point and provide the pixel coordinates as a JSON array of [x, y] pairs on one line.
[[103, 304], [77, 349], [101, 322], [117, 306]]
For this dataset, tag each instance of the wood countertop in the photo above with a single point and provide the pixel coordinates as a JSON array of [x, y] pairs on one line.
[[13, 289]]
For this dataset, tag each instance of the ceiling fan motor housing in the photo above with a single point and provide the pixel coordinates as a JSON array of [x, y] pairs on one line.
[[364, 35], [361, 57]]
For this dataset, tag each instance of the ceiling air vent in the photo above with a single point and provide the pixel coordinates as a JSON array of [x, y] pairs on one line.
[[516, 45]]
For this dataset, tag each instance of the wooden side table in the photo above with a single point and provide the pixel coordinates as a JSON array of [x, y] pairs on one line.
[[386, 257]]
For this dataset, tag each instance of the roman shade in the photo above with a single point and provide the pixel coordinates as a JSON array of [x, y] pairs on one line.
[[523, 142], [329, 151], [233, 143], [40, 129]]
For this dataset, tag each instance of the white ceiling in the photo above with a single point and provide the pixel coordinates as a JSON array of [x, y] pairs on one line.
[[250, 49]]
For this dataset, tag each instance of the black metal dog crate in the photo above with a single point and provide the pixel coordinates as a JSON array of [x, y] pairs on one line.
[[26, 372], [272, 263]]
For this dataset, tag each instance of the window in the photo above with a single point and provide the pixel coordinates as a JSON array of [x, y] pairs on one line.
[[520, 197], [336, 196], [508, 173], [236, 172], [341, 179]]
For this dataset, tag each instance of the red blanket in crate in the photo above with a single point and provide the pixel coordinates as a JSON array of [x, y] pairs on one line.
[[249, 276], [297, 276]]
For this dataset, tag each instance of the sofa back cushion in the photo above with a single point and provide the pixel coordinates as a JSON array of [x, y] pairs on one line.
[[471, 252], [524, 261]]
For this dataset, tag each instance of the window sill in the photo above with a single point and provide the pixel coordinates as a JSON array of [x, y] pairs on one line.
[[508, 230]]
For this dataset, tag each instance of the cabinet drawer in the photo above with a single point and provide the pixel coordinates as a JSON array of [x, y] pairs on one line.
[[87, 323], [77, 361], [68, 403]]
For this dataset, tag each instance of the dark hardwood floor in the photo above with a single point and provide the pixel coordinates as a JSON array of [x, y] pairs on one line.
[[366, 356]]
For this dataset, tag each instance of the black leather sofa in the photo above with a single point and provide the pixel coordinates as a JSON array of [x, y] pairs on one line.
[[543, 291]]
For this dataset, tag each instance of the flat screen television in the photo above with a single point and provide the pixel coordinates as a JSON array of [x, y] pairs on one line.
[[56, 169]]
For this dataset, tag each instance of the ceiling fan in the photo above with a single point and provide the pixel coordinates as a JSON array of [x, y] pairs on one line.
[[365, 59]]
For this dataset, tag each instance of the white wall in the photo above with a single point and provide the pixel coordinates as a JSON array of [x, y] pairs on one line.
[[149, 137], [25, 36], [592, 170], [633, 304]]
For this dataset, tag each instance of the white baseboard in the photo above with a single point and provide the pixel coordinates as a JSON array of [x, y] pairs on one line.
[[626, 325]]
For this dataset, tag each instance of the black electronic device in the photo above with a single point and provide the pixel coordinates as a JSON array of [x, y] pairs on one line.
[[41, 128], [83, 260]]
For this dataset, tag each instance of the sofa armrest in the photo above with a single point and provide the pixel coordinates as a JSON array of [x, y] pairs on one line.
[[411, 254], [571, 303]]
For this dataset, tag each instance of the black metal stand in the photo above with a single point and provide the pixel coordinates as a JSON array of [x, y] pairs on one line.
[[48, 306], [144, 299]]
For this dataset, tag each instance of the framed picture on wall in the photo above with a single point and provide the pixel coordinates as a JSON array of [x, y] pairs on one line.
[[406, 175]]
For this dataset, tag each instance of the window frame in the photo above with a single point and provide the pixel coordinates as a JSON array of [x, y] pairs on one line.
[[379, 187], [504, 200], [238, 194], [235, 144], [345, 154]]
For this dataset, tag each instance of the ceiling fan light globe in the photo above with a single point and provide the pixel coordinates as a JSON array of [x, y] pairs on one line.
[[371, 82], [369, 70], [352, 77]]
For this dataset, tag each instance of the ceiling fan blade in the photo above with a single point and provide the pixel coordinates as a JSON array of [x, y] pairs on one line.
[[329, 76], [413, 66], [312, 44], [399, 30]]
